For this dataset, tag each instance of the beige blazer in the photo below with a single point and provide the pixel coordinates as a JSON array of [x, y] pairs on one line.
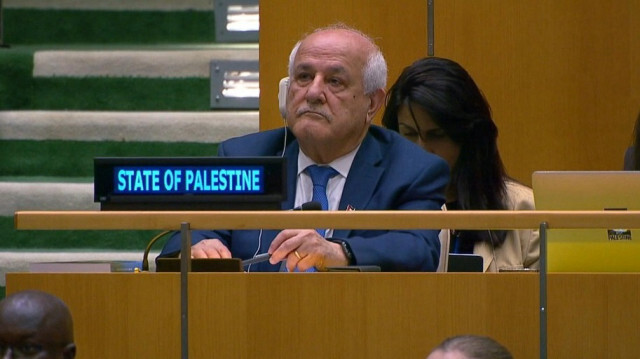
[[521, 248]]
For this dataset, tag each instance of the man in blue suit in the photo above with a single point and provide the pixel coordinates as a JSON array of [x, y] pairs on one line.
[[337, 80]]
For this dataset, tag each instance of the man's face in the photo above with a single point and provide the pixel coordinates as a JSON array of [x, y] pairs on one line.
[[326, 105]]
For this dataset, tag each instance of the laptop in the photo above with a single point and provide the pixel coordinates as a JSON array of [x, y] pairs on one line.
[[200, 265], [465, 263], [590, 250]]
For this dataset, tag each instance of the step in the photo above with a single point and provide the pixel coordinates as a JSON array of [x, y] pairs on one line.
[[56, 26], [173, 63], [204, 127], [108, 78], [60, 196], [163, 5], [45, 196], [31, 159]]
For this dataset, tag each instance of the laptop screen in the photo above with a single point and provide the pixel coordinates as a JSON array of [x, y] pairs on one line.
[[590, 250]]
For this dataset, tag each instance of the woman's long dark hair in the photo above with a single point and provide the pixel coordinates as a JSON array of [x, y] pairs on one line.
[[455, 103]]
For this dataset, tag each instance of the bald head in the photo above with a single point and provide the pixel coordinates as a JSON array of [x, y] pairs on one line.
[[470, 347], [38, 318]]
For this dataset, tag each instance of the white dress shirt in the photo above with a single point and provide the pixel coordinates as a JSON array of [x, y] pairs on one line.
[[304, 185]]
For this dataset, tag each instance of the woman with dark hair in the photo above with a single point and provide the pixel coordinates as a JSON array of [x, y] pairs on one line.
[[436, 104], [632, 155], [470, 347]]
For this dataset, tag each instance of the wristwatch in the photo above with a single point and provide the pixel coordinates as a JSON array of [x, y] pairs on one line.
[[346, 248]]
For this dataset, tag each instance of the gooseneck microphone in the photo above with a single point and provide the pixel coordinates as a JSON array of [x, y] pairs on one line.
[[309, 206], [145, 256], [257, 258]]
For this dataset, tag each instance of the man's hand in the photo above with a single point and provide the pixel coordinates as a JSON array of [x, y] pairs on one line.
[[305, 248], [210, 248]]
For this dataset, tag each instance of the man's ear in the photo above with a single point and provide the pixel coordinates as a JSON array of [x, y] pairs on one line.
[[69, 352], [376, 100]]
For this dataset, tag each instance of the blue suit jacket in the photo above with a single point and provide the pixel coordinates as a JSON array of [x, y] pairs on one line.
[[387, 173]]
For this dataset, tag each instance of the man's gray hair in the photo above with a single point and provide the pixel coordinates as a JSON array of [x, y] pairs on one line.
[[374, 74], [474, 347]]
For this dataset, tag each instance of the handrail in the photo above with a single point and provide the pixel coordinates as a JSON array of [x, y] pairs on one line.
[[171, 220]]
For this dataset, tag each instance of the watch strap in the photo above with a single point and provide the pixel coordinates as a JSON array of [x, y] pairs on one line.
[[346, 248]]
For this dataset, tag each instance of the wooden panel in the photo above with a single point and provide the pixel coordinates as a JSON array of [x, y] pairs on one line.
[[593, 316], [400, 31], [372, 315], [259, 315], [362, 315], [119, 315], [562, 76]]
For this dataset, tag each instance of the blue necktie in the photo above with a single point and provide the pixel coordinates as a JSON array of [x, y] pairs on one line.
[[320, 177]]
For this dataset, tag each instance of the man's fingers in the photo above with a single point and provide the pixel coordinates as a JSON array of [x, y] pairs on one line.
[[303, 248], [305, 262], [283, 245], [210, 248]]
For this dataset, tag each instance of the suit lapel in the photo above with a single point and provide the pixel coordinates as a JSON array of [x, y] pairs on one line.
[[484, 249], [362, 180], [291, 156]]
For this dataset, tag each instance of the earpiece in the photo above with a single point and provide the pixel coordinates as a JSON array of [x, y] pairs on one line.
[[283, 88]]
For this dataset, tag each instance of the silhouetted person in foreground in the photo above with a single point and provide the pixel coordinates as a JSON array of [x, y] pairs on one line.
[[470, 347], [35, 324]]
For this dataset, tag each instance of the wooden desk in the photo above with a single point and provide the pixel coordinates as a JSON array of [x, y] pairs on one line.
[[333, 315], [343, 315]]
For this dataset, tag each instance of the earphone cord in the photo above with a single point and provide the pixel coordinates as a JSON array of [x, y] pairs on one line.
[[257, 249], [284, 143], [284, 148]]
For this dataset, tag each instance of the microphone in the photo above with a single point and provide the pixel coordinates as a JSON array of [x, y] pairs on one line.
[[257, 258], [145, 256], [309, 206]]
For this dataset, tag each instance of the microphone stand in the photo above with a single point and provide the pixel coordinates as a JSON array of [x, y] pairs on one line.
[[145, 256], [543, 289], [185, 268]]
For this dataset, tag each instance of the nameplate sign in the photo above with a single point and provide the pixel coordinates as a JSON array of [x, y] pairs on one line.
[[176, 183]]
